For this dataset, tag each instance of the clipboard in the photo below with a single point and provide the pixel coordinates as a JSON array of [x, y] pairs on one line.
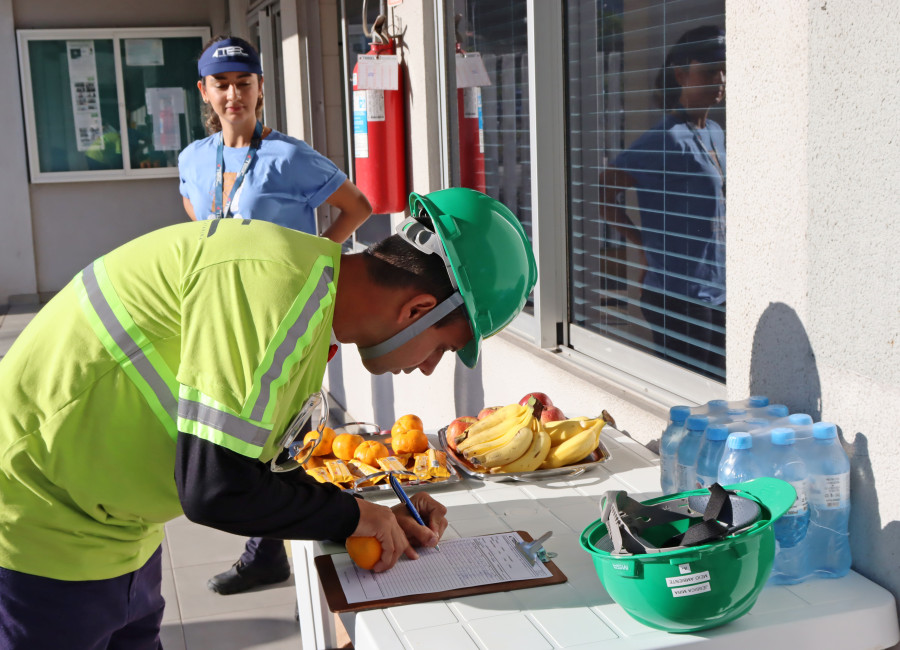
[[337, 601]]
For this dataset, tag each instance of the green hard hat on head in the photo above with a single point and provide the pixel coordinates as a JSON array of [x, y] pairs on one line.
[[488, 255]]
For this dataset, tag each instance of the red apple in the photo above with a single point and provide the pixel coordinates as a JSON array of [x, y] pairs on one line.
[[542, 398], [486, 411], [552, 414], [457, 428]]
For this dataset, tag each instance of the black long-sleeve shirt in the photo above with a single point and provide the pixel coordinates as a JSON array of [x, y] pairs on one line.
[[224, 490]]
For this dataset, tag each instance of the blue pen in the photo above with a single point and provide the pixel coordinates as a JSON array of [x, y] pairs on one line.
[[401, 494]]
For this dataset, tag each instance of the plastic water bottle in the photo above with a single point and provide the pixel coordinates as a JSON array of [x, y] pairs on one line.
[[752, 402], [710, 454], [713, 408], [668, 448], [686, 472], [736, 414], [739, 463], [774, 411], [829, 502], [800, 420], [791, 562]]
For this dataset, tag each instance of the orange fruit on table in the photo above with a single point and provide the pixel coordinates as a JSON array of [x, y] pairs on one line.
[[406, 423], [370, 451], [365, 551], [413, 441], [345, 445], [324, 447]]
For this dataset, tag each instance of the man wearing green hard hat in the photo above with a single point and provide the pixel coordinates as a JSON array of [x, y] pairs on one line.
[[162, 380]]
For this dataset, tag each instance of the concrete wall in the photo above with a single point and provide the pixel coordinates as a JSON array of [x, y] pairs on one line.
[[72, 223], [814, 284]]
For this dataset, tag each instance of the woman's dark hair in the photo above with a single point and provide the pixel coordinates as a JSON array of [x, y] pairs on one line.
[[705, 44], [210, 119], [395, 263]]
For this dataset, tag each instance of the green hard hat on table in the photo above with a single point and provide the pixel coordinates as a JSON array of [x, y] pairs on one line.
[[688, 561], [489, 257]]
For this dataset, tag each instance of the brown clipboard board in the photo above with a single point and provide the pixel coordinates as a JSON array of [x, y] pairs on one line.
[[337, 601]]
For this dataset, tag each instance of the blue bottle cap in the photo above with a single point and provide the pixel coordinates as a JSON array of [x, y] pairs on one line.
[[782, 436], [824, 431], [740, 440], [678, 414], [736, 412], [697, 423], [756, 423], [717, 405], [717, 432], [757, 401], [800, 419], [777, 410]]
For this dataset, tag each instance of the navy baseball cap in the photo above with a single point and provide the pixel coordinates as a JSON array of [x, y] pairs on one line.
[[704, 44], [229, 55]]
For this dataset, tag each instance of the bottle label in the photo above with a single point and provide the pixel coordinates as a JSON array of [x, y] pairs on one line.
[[829, 490], [801, 505]]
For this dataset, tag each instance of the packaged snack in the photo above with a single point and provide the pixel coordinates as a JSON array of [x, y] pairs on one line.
[[340, 473], [437, 463]]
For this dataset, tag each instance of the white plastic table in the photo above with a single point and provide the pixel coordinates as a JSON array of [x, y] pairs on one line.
[[850, 613]]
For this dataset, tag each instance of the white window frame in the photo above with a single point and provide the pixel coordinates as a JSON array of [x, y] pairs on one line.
[[24, 36], [550, 327]]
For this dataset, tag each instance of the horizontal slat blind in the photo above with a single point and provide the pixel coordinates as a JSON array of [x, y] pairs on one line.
[[653, 279]]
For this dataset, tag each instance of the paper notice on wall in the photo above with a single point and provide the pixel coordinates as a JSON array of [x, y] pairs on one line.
[[470, 71], [165, 105], [360, 125], [378, 72], [144, 51], [85, 95]]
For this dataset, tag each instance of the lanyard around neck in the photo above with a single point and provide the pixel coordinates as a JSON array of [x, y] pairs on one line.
[[223, 209]]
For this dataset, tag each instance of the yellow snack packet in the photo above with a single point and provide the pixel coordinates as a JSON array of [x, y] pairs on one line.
[[403, 458], [340, 473], [392, 464], [437, 463], [421, 467], [321, 474], [365, 469]]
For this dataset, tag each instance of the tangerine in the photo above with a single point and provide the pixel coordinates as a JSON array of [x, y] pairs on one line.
[[345, 444], [407, 423], [370, 451], [413, 441], [364, 551], [324, 447]]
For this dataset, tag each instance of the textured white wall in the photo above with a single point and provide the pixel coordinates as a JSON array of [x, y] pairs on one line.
[[813, 279]]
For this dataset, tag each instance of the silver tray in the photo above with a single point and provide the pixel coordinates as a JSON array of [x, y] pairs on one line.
[[599, 455], [410, 483]]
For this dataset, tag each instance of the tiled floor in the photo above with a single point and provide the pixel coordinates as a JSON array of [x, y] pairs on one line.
[[196, 618]]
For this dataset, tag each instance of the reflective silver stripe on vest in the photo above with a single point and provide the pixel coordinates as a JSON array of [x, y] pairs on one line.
[[127, 344], [297, 330], [224, 422]]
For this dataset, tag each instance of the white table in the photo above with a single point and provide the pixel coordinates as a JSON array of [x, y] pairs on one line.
[[850, 613]]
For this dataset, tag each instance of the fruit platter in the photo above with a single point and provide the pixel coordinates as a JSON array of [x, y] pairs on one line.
[[529, 440], [358, 456]]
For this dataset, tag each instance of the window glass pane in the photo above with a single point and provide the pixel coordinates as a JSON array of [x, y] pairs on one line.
[[162, 101], [497, 30], [76, 107], [646, 148]]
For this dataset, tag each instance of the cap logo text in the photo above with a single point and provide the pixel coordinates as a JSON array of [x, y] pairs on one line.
[[231, 50]]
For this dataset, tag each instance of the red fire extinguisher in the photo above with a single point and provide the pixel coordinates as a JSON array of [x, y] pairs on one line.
[[471, 136], [379, 130]]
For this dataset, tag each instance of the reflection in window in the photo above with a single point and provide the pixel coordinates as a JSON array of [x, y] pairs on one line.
[[647, 176]]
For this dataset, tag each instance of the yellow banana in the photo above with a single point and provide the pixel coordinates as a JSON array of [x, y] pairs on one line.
[[508, 452], [567, 429], [575, 448], [532, 458], [496, 443], [494, 425]]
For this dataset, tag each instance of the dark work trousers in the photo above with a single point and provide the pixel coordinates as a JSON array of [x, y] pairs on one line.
[[677, 332], [264, 551], [121, 613]]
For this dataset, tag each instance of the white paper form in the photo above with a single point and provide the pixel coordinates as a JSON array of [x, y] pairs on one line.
[[465, 562]]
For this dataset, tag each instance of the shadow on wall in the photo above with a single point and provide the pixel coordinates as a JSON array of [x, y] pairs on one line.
[[783, 366]]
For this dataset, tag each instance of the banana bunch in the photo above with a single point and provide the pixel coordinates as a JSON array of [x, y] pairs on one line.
[[512, 440], [572, 440]]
